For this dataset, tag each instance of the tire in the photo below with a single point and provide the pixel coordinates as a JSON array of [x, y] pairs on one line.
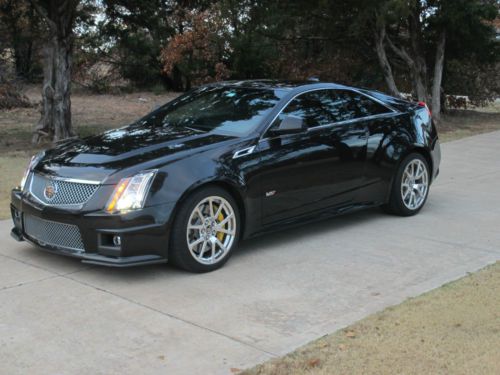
[[406, 185], [198, 241]]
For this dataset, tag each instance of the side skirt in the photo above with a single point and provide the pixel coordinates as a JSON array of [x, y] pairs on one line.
[[312, 217]]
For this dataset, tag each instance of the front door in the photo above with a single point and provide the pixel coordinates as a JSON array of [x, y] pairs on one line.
[[317, 169]]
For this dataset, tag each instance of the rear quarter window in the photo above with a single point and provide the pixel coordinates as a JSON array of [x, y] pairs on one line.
[[366, 106]]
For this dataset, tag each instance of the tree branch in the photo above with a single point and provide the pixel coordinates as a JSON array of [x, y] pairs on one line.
[[43, 13], [401, 52], [380, 36]]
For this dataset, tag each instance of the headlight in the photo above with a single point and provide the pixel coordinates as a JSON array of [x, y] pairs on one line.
[[32, 164], [131, 192]]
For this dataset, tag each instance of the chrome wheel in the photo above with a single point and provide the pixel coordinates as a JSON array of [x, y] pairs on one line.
[[414, 184], [211, 230]]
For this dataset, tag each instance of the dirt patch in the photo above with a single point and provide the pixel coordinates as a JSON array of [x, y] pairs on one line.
[[11, 98], [90, 114], [452, 330], [464, 123]]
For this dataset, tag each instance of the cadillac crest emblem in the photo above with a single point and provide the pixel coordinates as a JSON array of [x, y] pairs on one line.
[[50, 190]]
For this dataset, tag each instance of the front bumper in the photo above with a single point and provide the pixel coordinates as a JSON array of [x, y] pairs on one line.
[[144, 234]]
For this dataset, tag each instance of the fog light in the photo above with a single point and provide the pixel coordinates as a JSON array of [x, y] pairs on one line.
[[117, 240]]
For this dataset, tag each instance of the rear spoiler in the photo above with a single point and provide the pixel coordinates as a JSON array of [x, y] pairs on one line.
[[398, 103]]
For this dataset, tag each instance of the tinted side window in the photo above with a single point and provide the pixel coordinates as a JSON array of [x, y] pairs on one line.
[[325, 107], [310, 108], [366, 106], [349, 105], [316, 108]]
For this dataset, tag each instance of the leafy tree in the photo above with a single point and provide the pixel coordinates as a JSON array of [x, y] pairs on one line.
[[417, 34], [199, 52], [136, 31], [20, 30]]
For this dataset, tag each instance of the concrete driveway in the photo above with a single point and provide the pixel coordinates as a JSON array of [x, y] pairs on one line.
[[278, 292]]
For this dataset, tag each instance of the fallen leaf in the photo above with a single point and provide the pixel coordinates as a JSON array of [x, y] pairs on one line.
[[313, 362], [350, 334], [235, 370], [162, 357]]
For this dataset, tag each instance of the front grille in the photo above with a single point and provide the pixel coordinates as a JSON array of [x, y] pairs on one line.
[[56, 192], [51, 233]]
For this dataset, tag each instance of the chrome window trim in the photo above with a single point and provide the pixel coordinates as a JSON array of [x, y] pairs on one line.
[[390, 108], [381, 115]]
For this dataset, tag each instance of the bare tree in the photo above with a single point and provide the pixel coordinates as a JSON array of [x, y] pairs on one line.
[[55, 121], [380, 36], [409, 48], [438, 76]]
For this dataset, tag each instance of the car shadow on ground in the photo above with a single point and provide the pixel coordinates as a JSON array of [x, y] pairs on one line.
[[257, 246], [269, 241], [264, 243]]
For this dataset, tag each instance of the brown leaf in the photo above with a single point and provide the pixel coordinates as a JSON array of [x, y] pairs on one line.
[[314, 362], [161, 357], [350, 334], [235, 370]]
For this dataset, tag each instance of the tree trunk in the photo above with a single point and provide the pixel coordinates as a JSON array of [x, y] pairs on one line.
[[438, 77], [419, 65], [55, 121], [384, 62], [414, 57], [418, 86]]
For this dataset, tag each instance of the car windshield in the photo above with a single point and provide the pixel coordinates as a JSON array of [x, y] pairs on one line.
[[223, 110]]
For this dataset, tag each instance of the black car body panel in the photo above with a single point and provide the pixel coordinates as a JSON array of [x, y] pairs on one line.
[[277, 180]]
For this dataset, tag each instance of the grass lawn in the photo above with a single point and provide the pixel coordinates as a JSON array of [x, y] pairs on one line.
[[11, 170], [454, 329]]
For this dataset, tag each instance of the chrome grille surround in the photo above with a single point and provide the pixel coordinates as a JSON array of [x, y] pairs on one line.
[[60, 235], [65, 192]]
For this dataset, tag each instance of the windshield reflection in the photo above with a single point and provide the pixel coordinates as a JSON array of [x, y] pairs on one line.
[[227, 110]]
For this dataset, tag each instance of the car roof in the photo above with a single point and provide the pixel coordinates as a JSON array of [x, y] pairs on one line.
[[274, 84], [294, 87]]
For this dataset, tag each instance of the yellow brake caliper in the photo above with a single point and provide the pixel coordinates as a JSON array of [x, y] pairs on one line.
[[220, 235]]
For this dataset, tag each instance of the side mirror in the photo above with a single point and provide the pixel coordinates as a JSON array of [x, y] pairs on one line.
[[290, 125]]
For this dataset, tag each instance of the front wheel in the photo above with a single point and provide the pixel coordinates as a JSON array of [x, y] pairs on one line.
[[205, 231], [410, 186]]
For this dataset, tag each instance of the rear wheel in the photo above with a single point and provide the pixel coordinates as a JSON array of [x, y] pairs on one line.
[[410, 186], [205, 231]]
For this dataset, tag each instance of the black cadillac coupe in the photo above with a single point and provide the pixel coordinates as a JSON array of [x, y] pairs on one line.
[[225, 162]]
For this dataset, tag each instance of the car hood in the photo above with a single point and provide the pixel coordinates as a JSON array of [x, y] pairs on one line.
[[98, 156]]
